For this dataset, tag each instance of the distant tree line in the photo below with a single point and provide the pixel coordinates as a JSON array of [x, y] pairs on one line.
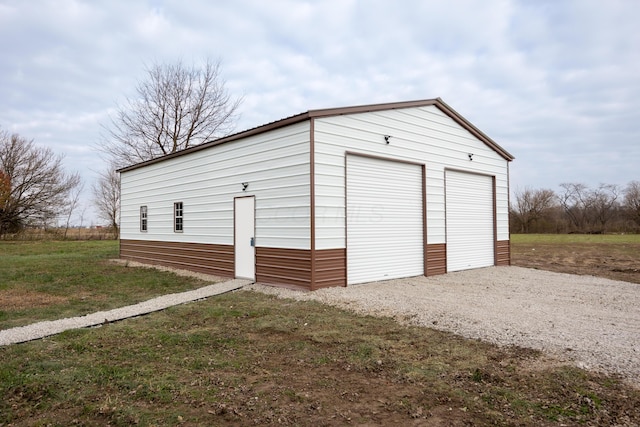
[[577, 208]]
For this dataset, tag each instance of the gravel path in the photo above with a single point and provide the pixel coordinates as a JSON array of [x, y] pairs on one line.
[[46, 328], [592, 321]]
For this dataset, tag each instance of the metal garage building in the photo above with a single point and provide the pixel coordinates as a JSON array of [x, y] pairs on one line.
[[329, 197]]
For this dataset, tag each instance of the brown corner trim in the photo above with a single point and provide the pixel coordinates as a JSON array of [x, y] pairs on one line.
[[312, 201], [424, 220]]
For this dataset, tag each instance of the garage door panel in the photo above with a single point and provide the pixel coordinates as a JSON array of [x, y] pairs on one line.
[[385, 236], [469, 219]]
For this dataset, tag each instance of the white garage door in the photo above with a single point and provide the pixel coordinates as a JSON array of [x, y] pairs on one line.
[[384, 220], [470, 238]]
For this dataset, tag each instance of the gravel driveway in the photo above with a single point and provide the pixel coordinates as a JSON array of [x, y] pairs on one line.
[[592, 321]]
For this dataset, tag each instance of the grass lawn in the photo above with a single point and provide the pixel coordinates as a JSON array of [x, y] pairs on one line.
[[614, 256], [245, 358], [48, 280]]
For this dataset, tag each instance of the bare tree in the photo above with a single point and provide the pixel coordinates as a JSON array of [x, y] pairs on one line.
[[175, 108], [81, 216], [106, 196], [5, 188], [604, 205], [531, 206], [632, 201], [34, 186], [575, 201], [590, 211], [72, 204]]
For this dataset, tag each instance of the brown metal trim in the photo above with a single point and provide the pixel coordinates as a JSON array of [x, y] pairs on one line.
[[312, 201], [437, 259], [329, 112], [331, 268], [495, 221], [233, 246], [503, 253], [468, 171], [234, 137], [424, 219], [281, 266], [339, 111], [346, 224], [387, 159], [446, 226], [205, 258], [472, 129], [509, 206]]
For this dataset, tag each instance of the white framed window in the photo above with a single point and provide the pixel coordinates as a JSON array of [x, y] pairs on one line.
[[178, 218], [143, 218]]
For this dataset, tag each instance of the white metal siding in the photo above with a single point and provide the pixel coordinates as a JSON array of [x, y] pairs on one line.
[[470, 238], [422, 134], [384, 220], [276, 166]]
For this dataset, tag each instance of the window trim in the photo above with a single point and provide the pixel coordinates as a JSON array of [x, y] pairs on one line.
[[144, 218], [178, 217]]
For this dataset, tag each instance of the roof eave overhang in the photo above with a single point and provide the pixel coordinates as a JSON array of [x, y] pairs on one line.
[[244, 134], [329, 112], [445, 108]]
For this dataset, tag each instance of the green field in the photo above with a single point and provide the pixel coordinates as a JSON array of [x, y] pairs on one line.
[[245, 358], [48, 280]]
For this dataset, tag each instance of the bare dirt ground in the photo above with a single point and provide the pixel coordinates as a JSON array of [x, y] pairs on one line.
[[612, 261]]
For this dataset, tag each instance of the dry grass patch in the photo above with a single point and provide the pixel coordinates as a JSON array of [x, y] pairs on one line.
[[19, 299]]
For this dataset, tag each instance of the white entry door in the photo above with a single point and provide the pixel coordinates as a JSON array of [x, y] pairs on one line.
[[244, 245]]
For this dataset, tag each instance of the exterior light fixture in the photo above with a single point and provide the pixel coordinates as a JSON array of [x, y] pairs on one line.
[[470, 157], [244, 186], [387, 138]]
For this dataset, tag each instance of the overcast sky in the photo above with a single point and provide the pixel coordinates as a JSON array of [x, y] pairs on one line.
[[556, 83]]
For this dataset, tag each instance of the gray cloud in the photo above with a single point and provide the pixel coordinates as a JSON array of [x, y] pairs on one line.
[[555, 83]]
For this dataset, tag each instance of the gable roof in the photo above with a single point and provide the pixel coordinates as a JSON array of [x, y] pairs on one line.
[[328, 112]]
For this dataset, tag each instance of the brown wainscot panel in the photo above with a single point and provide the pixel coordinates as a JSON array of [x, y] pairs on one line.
[[284, 267], [503, 252], [292, 268], [436, 259], [331, 268], [204, 258]]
